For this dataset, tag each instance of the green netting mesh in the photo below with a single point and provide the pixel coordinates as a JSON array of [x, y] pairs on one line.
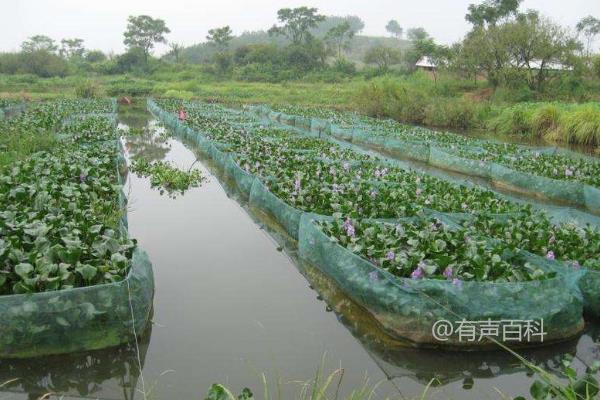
[[86, 318], [537, 186], [445, 160], [409, 308], [589, 284]]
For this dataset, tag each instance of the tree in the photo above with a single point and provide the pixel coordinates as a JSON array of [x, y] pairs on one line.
[[524, 49], [175, 51], [297, 23], [71, 48], [43, 63], [394, 28], [422, 45], [417, 34], [144, 32], [39, 43], [94, 56], [534, 43], [491, 12], [339, 37], [383, 57], [220, 38], [590, 28], [331, 21]]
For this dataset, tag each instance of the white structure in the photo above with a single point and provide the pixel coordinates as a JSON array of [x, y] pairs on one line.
[[426, 63]]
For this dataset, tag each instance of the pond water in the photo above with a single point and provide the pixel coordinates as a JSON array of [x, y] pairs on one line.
[[231, 306]]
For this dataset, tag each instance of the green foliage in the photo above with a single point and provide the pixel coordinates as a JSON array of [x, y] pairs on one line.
[[167, 178], [68, 233], [220, 38], [383, 57], [429, 249], [179, 94], [220, 392], [88, 90], [144, 32], [596, 66], [578, 387], [297, 23], [43, 64], [39, 43], [394, 28], [339, 37]]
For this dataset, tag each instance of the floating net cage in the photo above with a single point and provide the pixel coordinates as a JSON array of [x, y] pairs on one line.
[[82, 318]]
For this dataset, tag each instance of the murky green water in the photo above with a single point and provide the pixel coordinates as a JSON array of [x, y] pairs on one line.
[[229, 306]]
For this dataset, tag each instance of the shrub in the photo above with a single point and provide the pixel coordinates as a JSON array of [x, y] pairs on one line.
[[344, 66], [512, 120], [88, 90], [581, 125], [451, 113], [596, 66], [545, 120]]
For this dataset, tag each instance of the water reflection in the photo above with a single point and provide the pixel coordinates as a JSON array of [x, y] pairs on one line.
[[112, 372], [398, 359]]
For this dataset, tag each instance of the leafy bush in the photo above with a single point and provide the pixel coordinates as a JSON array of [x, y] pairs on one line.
[[580, 126], [545, 120], [88, 90]]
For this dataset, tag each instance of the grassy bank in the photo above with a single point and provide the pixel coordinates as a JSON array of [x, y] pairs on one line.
[[416, 99]]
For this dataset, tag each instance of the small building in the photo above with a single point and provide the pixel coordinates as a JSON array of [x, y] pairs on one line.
[[426, 64]]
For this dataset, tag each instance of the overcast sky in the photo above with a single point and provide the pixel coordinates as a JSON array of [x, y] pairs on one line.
[[101, 22]]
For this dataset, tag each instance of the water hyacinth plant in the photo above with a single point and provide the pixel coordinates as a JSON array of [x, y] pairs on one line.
[[60, 217], [427, 249], [166, 177]]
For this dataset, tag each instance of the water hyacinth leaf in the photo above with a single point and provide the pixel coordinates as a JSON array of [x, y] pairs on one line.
[[87, 271], [23, 269], [62, 322]]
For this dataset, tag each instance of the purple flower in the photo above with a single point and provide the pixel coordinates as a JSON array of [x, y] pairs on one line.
[[349, 228], [464, 206], [390, 256], [448, 273], [373, 276], [418, 273], [568, 172], [457, 282], [550, 255], [82, 177], [297, 185], [377, 173]]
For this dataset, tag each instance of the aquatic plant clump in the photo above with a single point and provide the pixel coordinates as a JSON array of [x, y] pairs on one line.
[[166, 177], [60, 219], [427, 249]]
